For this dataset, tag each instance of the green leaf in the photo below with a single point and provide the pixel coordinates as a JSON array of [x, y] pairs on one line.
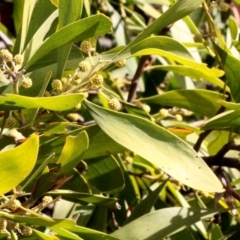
[[231, 68], [100, 144], [85, 197], [36, 41], [162, 223], [191, 72], [233, 27], [70, 157], [158, 146], [40, 24], [65, 7], [17, 163], [41, 235], [228, 119], [230, 105], [90, 234], [79, 30], [65, 233], [174, 13], [146, 204], [105, 174], [172, 49], [26, 17], [189, 99], [58, 103], [3, 79]]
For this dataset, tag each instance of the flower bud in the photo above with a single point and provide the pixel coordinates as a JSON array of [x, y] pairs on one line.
[[27, 82], [57, 85], [96, 80], [85, 46], [83, 66], [114, 104]]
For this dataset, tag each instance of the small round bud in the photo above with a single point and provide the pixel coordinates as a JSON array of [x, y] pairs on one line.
[[198, 37], [15, 205], [57, 85], [10, 122], [27, 231], [224, 7], [73, 117], [18, 59], [27, 82], [47, 94], [3, 224], [6, 55], [97, 80], [46, 200], [178, 117], [146, 108], [114, 104], [163, 113], [120, 63], [12, 225], [85, 46], [83, 66]]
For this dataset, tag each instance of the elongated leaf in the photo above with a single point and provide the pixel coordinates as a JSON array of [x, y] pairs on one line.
[[228, 119], [100, 144], [70, 157], [230, 105], [172, 49], [58, 103], [231, 68], [27, 13], [65, 233], [191, 72], [179, 10], [89, 234], [40, 19], [105, 174], [85, 197], [158, 146], [65, 7], [189, 99], [17, 163], [41, 235], [37, 40], [146, 205], [79, 30], [162, 223]]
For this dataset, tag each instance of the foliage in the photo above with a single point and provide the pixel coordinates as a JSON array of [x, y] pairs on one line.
[[120, 120]]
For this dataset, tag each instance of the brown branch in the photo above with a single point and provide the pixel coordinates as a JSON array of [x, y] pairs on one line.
[[204, 134], [223, 162]]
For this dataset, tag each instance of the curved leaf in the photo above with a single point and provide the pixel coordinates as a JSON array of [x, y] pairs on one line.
[[17, 163], [228, 119], [58, 103], [190, 100], [191, 72], [158, 146], [162, 223], [70, 157], [79, 30], [172, 49], [105, 174], [179, 10]]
